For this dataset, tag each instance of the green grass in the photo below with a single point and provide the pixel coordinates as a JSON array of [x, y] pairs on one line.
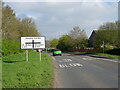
[[108, 55], [17, 73], [100, 54]]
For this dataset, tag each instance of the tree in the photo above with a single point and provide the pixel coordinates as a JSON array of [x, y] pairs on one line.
[[109, 26], [9, 21], [65, 42], [13, 28], [53, 43], [47, 43], [110, 37], [78, 36], [28, 28], [76, 33]]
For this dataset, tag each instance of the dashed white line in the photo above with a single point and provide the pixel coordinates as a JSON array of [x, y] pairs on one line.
[[110, 60], [66, 65], [71, 64], [66, 60], [79, 64], [116, 61], [61, 66], [88, 59]]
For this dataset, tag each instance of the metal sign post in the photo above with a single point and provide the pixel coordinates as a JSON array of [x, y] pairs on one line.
[[27, 55], [40, 50], [40, 56]]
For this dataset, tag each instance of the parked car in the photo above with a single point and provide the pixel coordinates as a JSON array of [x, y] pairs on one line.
[[57, 52]]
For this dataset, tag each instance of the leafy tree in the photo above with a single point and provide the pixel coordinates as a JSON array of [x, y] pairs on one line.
[[109, 26], [9, 21], [54, 43], [109, 33], [13, 28], [28, 28], [65, 42], [109, 37]]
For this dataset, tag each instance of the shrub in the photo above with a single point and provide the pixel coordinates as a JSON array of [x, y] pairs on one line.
[[10, 47]]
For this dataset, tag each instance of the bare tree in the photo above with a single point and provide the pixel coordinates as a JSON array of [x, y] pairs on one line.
[[76, 33]]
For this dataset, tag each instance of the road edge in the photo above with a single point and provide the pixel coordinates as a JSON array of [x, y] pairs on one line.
[[55, 79]]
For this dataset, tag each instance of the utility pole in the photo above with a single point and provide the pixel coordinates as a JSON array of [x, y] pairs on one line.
[[103, 46], [46, 49]]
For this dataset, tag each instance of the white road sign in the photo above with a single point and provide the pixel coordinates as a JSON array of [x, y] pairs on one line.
[[32, 42]]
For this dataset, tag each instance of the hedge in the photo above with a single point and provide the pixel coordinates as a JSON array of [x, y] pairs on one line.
[[113, 51]]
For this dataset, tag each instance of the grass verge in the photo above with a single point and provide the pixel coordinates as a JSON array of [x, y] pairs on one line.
[[17, 73], [108, 55], [99, 54]]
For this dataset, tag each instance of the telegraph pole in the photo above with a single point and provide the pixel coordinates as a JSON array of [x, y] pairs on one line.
[[103, 46]]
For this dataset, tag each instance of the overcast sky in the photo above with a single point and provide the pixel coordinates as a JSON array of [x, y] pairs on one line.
[[54, 19]]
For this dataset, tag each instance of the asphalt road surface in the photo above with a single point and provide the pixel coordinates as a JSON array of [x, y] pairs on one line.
[[82, 71]]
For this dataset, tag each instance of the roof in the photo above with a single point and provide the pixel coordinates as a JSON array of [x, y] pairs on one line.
[[95, 31]]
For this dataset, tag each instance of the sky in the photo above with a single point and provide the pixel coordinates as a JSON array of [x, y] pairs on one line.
[[53, 19]]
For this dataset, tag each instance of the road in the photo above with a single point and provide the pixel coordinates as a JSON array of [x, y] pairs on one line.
[[82, 71]]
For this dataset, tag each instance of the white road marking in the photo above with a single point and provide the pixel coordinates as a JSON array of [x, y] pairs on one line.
[[100, 59], [75, 64], [61, 66], [109, 60], [67, 60], [84, 58], [66, 65], [79, 64], [88, 59], [70, 65]]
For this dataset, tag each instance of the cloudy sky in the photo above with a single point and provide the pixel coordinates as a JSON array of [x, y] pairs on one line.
[[54, 19]]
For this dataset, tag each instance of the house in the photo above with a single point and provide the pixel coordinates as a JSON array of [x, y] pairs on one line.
[[92, 38]]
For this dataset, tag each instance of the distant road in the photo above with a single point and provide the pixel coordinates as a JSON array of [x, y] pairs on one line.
[[82, 71]]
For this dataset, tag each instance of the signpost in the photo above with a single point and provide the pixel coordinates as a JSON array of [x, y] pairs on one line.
[[40, 50], [27, 55], [32, 43]]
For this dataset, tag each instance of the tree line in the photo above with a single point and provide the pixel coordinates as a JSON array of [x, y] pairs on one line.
[[108, 34], [13, 28], [76, 38]]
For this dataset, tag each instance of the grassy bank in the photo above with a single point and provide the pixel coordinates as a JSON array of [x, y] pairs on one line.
[[17, 73], [107, 55]]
